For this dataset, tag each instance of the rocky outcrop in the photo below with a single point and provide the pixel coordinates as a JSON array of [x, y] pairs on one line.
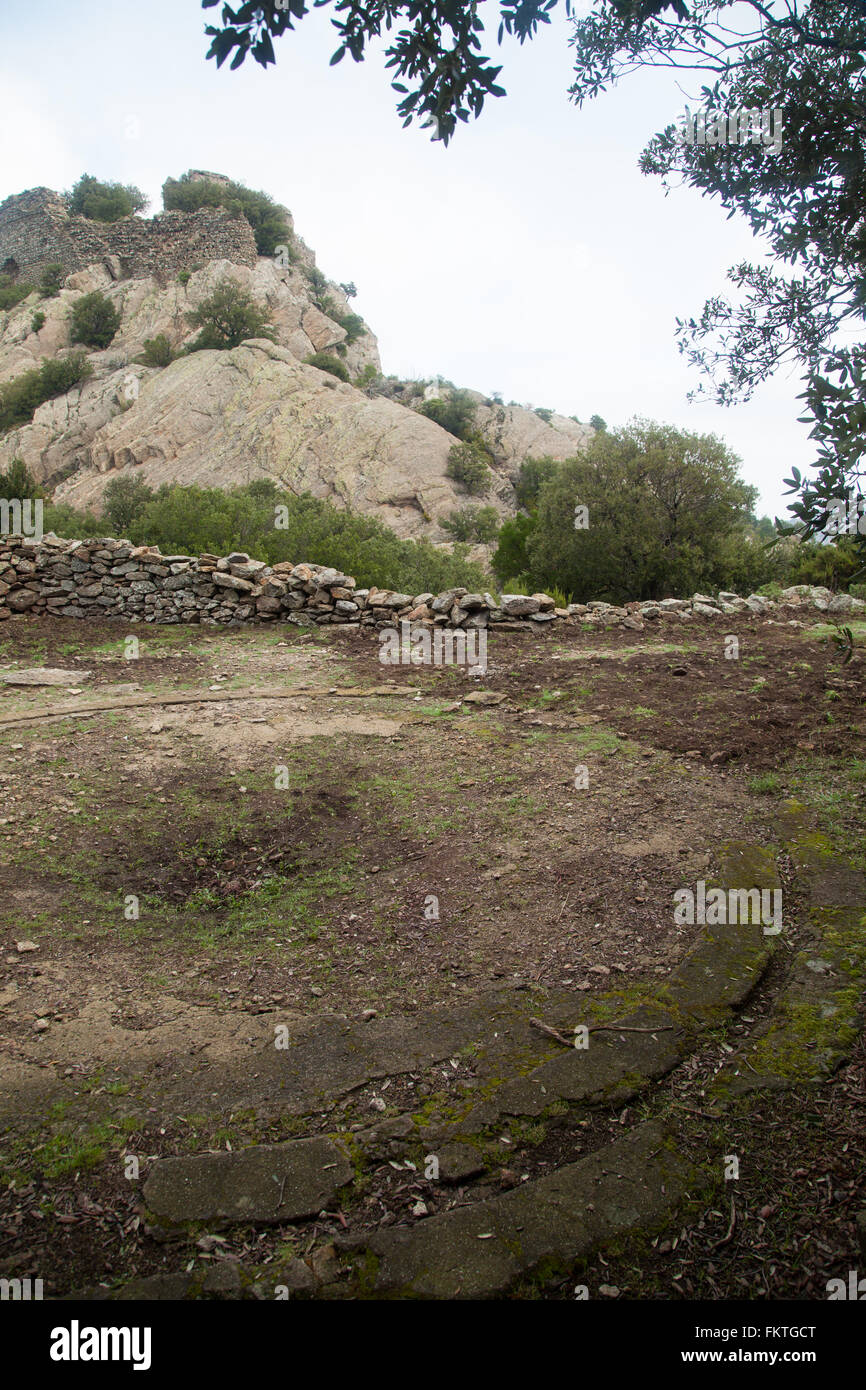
[[260, 413], [514, 433]]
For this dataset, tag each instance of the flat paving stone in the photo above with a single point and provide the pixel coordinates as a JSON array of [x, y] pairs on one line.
[[265, 1184], [481, 1250]]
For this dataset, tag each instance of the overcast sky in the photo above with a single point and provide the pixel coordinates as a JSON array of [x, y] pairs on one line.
[[530, 257]]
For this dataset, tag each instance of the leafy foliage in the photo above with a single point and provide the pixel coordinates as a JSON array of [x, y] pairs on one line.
[[467, 465], [105, 202], [664, 507], [267, 219], [188, 520], [326, 362], [12, 292], [473, 524], [158, 351], [23, 394], [454, 412], [436, 47], [228, 317], [18, 481], [94, 320], [124, 500], [51, 279]]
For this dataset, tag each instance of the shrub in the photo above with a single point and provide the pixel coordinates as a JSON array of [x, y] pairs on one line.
[[105, 202], [533, 474], [367, 380], [158, 352], [467, 465], [124, 501], [455, 413], [12, 293], [473, 524], [596, 422], [94, 320], [37, 322], [184, 277], [18, 481], [268, 220], [326, 363], [544, 413], [21, 396], [51, 279], [228, 317]]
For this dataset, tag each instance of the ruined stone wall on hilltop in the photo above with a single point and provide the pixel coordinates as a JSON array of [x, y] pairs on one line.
[[37, 229]]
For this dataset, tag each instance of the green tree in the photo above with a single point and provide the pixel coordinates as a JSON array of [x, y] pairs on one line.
[[18, 481], [533, 474], [228, 317], [510, 558], [124, 500], [94, 320], [660, 504], [105, 202]]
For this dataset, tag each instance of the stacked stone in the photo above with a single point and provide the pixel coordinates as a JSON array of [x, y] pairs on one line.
[[115, 579]]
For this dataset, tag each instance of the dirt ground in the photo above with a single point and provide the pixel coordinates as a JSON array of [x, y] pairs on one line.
[[267, 822]]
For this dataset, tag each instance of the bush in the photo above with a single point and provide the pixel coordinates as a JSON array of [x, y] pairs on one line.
[[184, 277], [94, 320], [105, 202], [51, 280], [37, 322], [326, 363], [158, 352], [269, 222], [455, 413], [124, 501], [478, 525], [21, 396], [467, 465], [510, 559], [18, 482], [533, 474], [12, 293], [597, 423], [227, 318]]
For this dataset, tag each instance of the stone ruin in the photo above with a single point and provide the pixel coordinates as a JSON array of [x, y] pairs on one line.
[[37, 229]]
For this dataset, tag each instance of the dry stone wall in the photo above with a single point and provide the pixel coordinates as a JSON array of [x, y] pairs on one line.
[[37, 229], [115, 579]]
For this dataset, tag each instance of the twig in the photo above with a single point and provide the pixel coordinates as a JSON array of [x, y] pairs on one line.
[[596, 1028], [730, 1231], [551, 1032]]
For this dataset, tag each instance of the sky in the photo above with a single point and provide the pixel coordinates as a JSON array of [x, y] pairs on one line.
[[529, 257]]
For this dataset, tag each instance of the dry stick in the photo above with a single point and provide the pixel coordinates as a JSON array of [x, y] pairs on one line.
[[597, 1028], [726, 1238], [204, 697]]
